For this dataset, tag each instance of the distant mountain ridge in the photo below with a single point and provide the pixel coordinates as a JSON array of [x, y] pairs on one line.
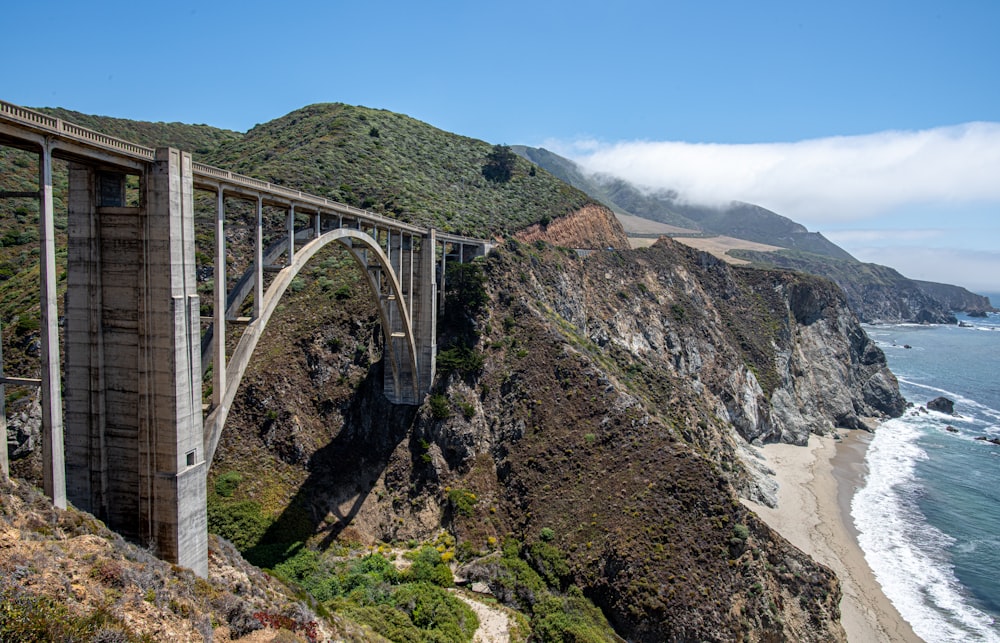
[[876, 293], [740, 220]]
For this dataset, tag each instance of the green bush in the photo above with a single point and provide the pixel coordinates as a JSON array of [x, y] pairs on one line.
[[227, 483], [500, 164], [463, 501], [548, 561], [241, 523], [433, 610], [460, 358], [427, 567], [440, 408]]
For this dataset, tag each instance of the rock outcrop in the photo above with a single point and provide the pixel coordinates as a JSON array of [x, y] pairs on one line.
[[591, 227], [942, 405]]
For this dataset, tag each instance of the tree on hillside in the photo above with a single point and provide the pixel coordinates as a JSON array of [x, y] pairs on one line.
[[500, 164]]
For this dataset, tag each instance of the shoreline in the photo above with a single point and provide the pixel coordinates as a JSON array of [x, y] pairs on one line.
[[815, 486]]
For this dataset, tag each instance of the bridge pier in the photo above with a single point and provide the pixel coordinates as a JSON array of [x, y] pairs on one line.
[[134, 432]]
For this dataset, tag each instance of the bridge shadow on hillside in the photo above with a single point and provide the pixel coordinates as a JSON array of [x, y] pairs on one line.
[[341, 474]]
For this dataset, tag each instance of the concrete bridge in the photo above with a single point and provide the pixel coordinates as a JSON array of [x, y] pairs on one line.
[[135, 440]]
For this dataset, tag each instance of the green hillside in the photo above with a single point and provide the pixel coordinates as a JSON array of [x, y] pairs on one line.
[[391, 163], [375, 159]]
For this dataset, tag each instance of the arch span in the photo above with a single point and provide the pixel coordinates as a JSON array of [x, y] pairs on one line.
[[401, 347]]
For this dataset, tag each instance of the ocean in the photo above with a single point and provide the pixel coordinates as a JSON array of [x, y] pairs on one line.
[[928, 515]]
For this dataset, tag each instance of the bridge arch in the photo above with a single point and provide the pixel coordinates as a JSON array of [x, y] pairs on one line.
[[401, 346]]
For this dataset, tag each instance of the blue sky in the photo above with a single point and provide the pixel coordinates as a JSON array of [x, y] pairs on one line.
[[876, 123]]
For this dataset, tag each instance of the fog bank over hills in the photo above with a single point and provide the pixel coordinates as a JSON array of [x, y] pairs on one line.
[[926, 198], [877, 293]]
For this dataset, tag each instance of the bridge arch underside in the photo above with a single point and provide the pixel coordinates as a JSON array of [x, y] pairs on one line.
[[395, 298]]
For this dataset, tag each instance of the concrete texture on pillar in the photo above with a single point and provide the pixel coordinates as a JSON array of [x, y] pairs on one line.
[[53, 458], [133, 407]]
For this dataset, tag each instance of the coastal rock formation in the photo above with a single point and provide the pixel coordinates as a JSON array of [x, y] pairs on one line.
[[942, 405]]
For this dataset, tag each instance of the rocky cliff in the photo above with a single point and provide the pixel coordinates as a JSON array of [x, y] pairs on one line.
[[601, 420], [956, 298]]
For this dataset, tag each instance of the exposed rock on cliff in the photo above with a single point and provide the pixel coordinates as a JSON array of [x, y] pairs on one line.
[[603, 414], [592, 226]]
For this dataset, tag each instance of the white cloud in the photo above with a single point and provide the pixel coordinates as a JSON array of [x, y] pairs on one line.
[[816, 182]]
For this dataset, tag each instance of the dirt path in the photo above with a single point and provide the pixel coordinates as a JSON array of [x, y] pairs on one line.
[[494, 625]]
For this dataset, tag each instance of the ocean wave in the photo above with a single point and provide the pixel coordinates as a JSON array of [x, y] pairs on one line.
[[908, 556], [975, 412]]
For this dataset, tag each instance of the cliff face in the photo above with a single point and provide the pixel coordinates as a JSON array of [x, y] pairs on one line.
[[617, 394], [609, 423], [955, 297], [592, 227]]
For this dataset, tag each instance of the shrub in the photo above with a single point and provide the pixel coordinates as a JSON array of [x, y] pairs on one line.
[[549, 562], [440, 408], [463, 501], [435, 611], [428, 567], [460, 358], [241, 523], [227, 483]]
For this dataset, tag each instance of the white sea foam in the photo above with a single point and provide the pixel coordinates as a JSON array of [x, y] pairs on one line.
[[909, 556], [976, 407]]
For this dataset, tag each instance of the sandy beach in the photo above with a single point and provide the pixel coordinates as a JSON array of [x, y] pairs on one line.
[[816, 484]]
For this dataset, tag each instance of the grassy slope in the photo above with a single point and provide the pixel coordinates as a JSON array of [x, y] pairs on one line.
[[394, 164]]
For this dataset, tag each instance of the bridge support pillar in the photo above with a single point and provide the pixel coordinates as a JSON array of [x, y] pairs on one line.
[[134, 435], [425, 312]]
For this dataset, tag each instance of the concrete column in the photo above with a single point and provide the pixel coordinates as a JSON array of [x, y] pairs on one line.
[[172, 455], [135, 441], [317, 225], [219, 321], [409, 290], [258, 255], [444, 280], [53, 454], [87, 391], [425, 312], [291, 234]]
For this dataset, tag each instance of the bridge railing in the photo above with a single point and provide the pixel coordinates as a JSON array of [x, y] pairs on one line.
[[73, 131], [51, 124]]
